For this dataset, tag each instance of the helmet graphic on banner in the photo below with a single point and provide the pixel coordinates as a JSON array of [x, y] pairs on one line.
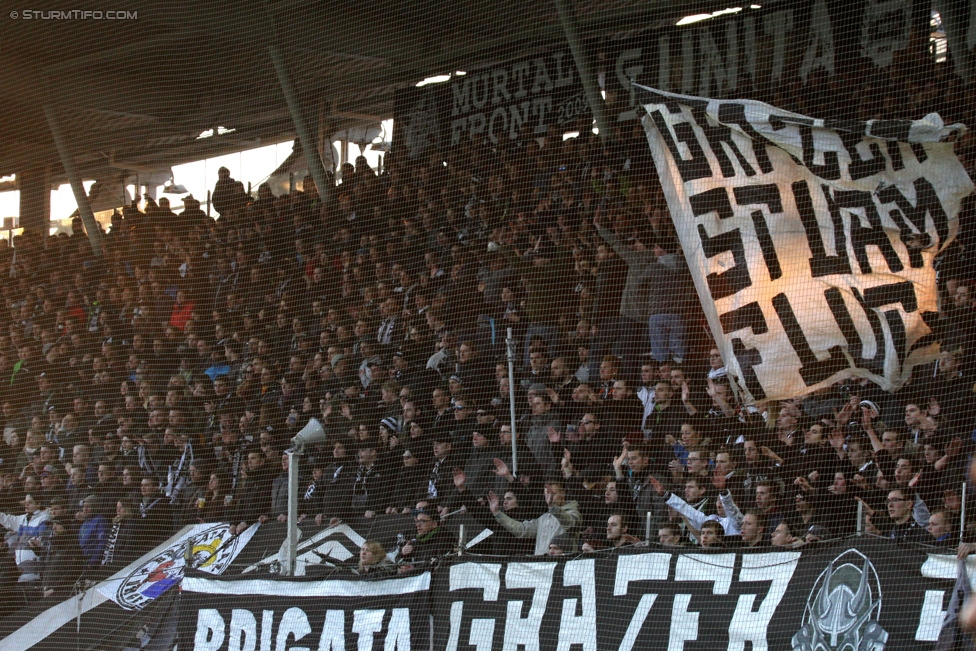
[[843, 607]]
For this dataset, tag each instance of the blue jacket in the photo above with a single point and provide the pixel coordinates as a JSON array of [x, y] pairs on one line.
[[91, 538]]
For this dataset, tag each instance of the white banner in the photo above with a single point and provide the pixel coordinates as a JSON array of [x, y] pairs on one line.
[[811, 242], [212, 549]]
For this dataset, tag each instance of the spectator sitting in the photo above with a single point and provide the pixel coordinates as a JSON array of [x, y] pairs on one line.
[[782, 537], [432, 541], [64, 562], [373, 561], [93, 531], [126, 538], [669, 535], [942, 527], [711, 535], [156, 512], [906, 523], [753, 534], [617, 535]]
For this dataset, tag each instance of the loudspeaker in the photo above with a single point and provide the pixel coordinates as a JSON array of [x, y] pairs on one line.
[[311, 433]]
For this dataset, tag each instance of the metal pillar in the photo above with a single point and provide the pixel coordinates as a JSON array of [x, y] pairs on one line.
[[962, 513], [305, 134], [84, 208], [597, 107], [35, 200], [291, 549], [510, 347]]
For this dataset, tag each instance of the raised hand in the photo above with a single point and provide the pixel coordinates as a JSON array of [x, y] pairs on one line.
[[710, 388], [501, 468], [492, 502], [836, 439], [867, 416], [954, 447], [656, 485], [618, 462], [914, 481], [566, 465], [555, 436]]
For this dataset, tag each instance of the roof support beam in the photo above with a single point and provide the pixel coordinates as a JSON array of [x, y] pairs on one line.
[[568, 21], [305, 134], [84, 208]]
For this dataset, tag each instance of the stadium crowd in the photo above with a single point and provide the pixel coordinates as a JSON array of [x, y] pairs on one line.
[[160, 385]]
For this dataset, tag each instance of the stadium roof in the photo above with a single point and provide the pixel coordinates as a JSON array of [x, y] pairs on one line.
[[136, 93]]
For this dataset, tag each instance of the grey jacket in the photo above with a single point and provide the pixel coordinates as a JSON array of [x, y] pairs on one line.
[[669, 285], [537, 439], [633, 302], [556, 521]]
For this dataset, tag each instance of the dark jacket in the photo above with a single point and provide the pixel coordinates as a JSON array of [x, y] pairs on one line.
[[543, 282], [253, 496], [63, 565], [157, 517], [369, 491], [435, 544], [124, 543]]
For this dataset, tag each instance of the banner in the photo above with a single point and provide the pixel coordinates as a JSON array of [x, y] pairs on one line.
[[811, 243], [136, 598], [759, 48], [335, 615], [868, 593], [211, 549], [863, 593], [511, 101]]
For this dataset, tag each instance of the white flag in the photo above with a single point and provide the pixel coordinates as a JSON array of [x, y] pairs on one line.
[[811, 242]]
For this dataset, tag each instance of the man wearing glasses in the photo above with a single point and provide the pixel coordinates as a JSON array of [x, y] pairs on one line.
[[430, 542], [904, 523]]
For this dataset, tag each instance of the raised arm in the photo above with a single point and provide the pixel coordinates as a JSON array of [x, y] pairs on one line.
[[621, 248], [731, 509], [567, 515], [523, 529]]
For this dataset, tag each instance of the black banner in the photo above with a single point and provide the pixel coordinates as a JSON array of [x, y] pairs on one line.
[[756, 51], [519, 99], [747, 54], [219, 614], [751, 53], [872, 593], [863, 594]]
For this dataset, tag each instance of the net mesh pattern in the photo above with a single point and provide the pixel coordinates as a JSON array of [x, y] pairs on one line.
[[662, 311]]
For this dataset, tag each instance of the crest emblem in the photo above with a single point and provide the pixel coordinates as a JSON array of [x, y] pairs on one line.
[[843, 608], [164, 569]]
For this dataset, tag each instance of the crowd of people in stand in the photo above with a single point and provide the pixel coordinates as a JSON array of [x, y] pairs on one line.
[[160, 384]]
